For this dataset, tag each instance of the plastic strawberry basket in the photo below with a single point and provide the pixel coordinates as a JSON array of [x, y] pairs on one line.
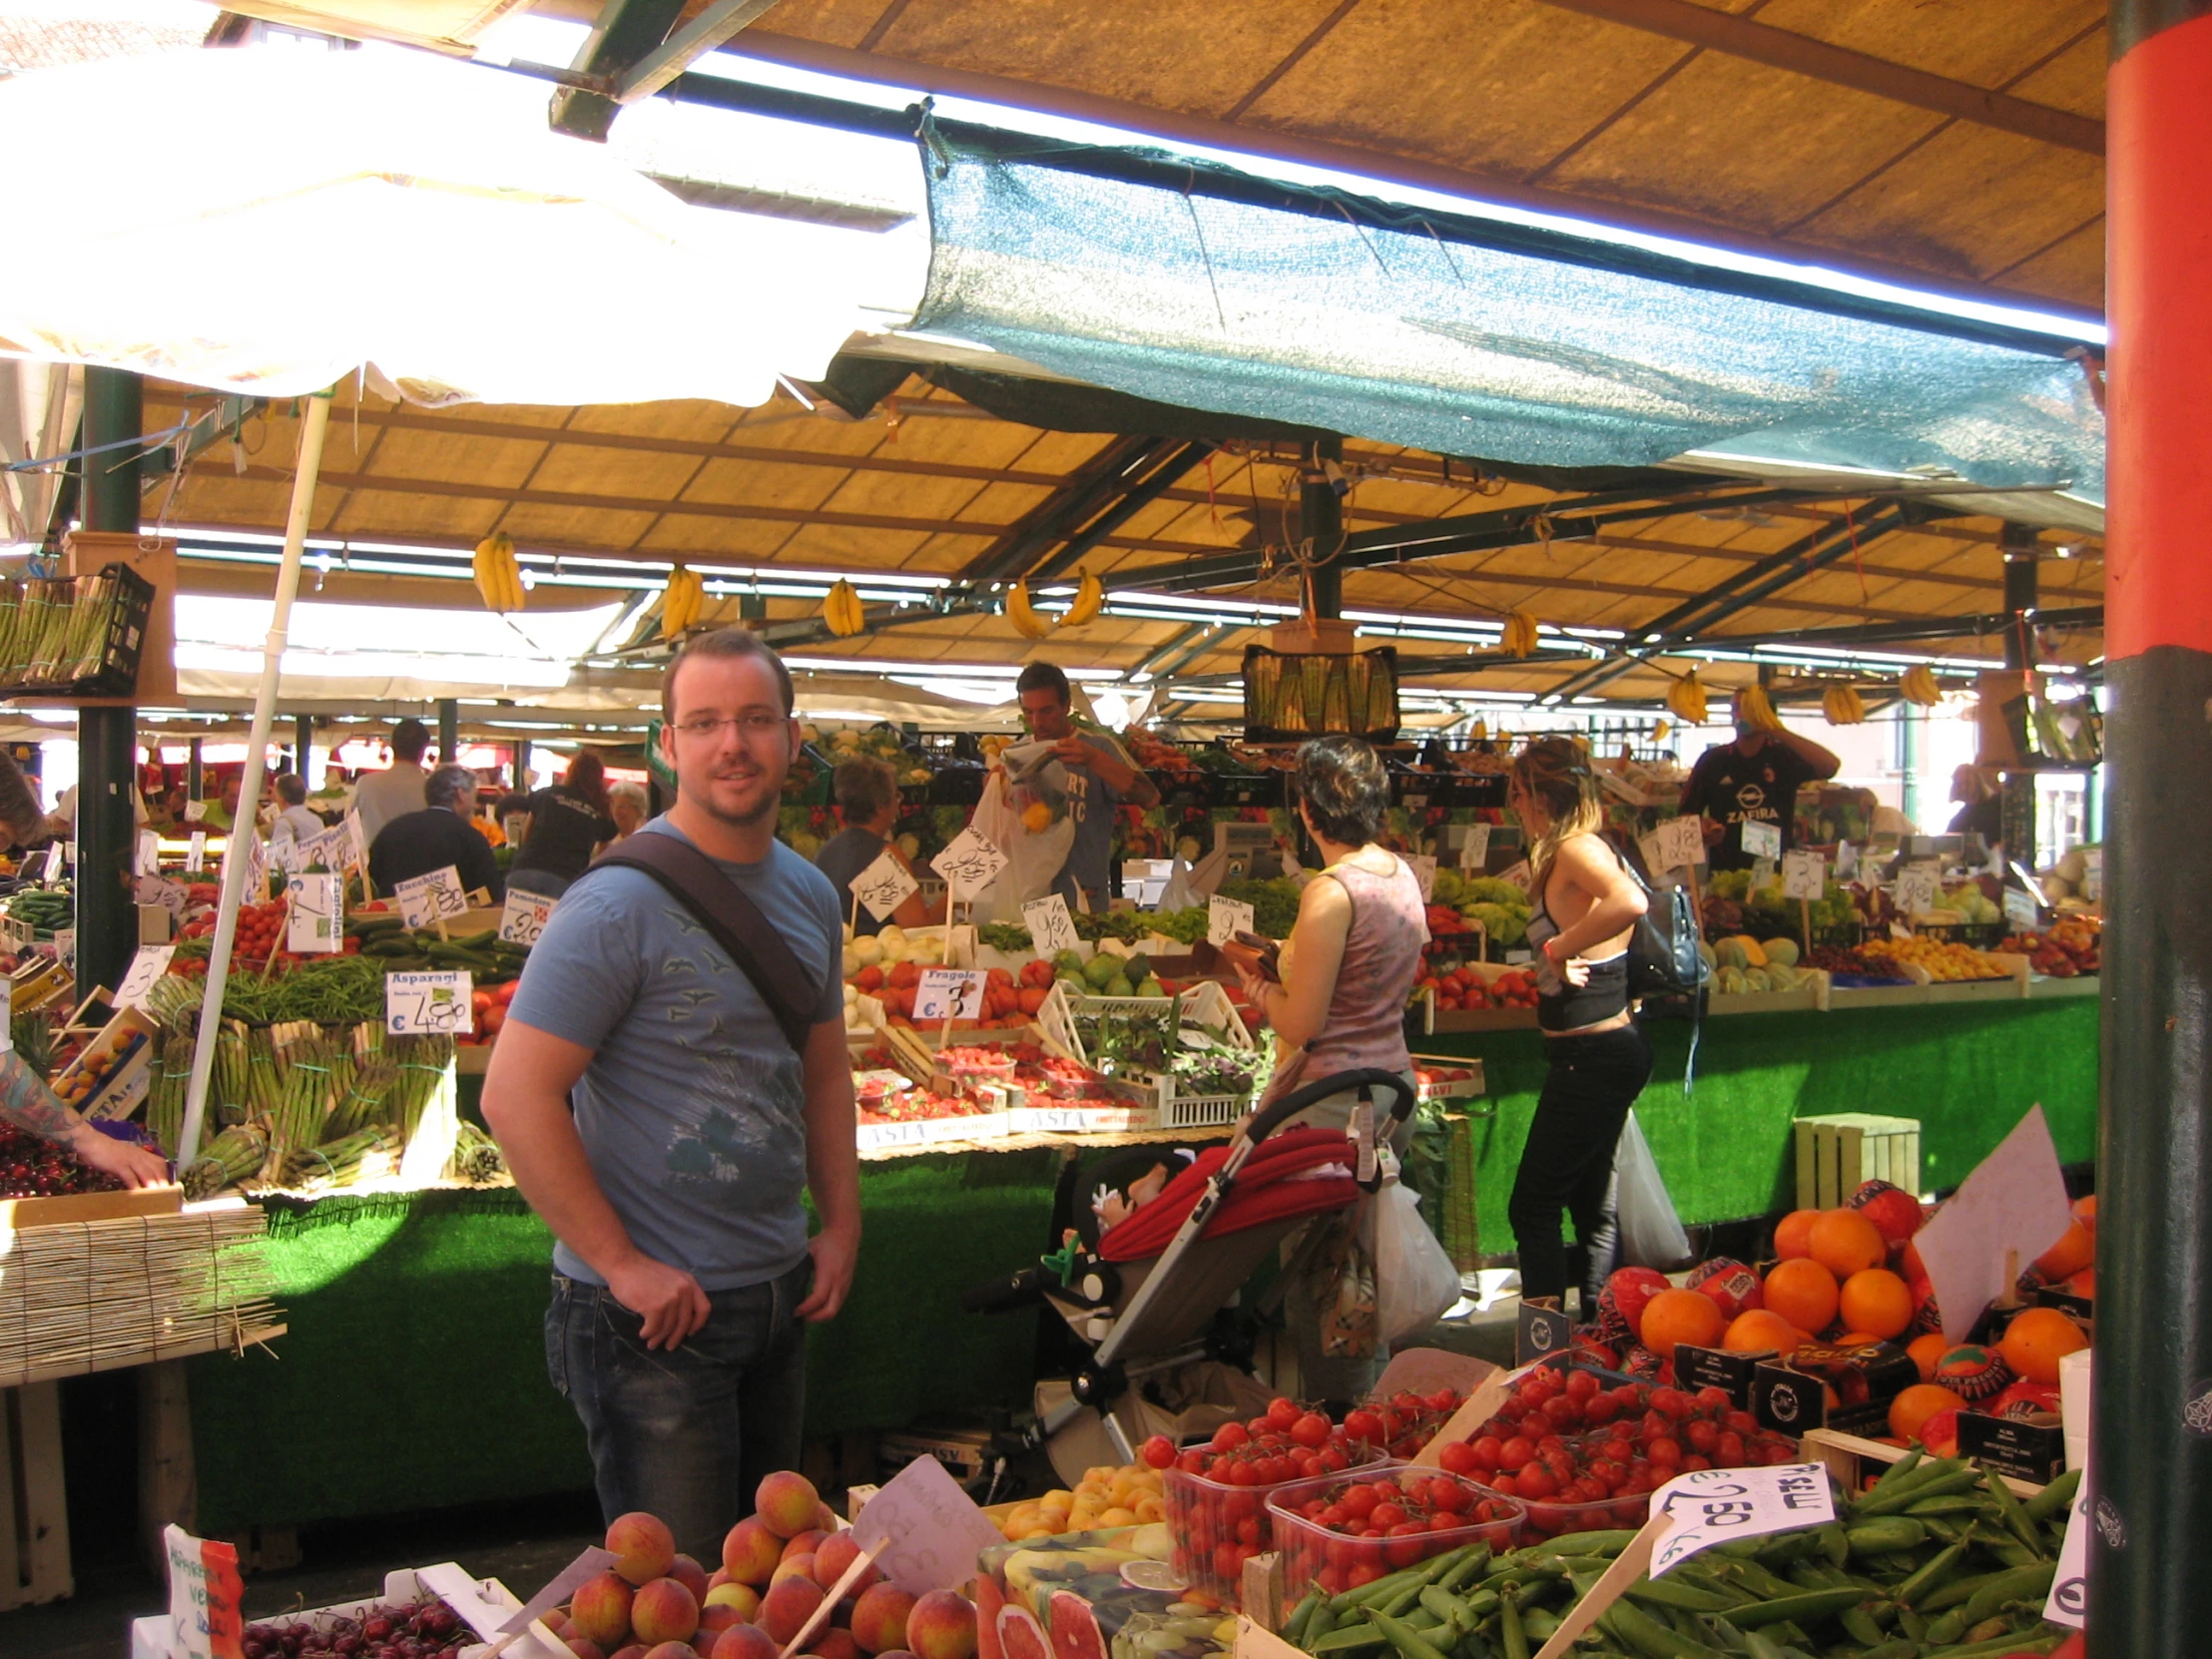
[[1316, 1553], [1213, 1529]]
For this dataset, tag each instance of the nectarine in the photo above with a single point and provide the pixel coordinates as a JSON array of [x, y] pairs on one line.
[[879, 1620], [788, 1503], [642, 1546], [664, 1611], [751, 1552], [943, 1626], [599, 1611]]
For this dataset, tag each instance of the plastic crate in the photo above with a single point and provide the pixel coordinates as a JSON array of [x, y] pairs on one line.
[[1202, 1514], [37, 658], [1313, 1555]]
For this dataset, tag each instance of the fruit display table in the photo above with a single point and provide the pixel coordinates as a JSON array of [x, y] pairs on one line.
[[413, 1375]]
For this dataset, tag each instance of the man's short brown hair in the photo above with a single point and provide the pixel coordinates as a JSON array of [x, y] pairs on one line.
[[864, 787], [723, 641]]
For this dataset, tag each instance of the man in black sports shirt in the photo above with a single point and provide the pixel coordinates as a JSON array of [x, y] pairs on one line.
[[1754, 780]]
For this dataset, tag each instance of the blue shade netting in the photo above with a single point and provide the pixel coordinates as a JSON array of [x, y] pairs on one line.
[[1099, 266]]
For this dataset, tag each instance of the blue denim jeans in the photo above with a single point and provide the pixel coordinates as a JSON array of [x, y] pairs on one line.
[[687, 1435]]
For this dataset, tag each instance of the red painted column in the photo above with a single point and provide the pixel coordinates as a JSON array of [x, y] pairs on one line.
[[2150, 1564]]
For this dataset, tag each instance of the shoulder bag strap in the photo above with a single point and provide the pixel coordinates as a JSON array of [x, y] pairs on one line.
[[735, 922]]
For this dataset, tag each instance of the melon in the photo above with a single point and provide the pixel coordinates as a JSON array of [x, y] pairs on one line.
[[1784, 952], [1755, 953]]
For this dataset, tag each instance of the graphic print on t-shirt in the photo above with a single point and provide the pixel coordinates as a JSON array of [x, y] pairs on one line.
[[718, 1146]]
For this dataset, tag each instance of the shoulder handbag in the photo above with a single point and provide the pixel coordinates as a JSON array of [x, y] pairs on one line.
[[1663, 957], [735, 922]]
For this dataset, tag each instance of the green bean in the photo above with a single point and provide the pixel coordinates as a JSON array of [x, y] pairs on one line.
[[1409, 1642], [1813, 1604], [2053, 1499], [2009, 1511], [2020, 1585], [1511, 1636]]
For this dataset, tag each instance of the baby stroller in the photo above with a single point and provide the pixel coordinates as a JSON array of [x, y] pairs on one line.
[[1142, 1294]]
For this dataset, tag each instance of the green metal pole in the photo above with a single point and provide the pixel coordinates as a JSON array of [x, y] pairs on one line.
[[2150, 1441], [1912, 738], [1322, 521], [107, 737], [522, 766], [195, 771], [449, 731], [2020, 554], [303, 743]]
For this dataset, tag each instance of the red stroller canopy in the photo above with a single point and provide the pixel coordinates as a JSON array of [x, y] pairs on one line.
[[1278, 1182]]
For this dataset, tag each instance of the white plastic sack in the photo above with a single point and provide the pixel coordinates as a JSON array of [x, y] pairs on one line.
[[1034, 860], [1651, 1232], [1415, 1280]]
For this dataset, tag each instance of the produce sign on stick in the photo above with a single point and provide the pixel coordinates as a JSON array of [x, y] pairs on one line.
[[1475, 847], [922, 1530], [54, 859], [1711, 1506], [525, 915], [1680, 844], [1520, 875], [160, 890], [949, 993], [1918, 886], [205, 1597], [1226, 918], [257, 865], [292, 856], [151, 963], [1804, 876], [196, 811], [2013, 1205], [433, 1004], [314, 919], [425, 900], [2069, 1601], [196, 855], [884, 884], [353, 850], [148, 853], [1051, 929], [1425, 871], [559, 1588], [970, 864], [1760, 839]]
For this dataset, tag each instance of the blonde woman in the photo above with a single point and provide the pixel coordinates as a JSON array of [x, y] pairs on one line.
[[1585, 904]]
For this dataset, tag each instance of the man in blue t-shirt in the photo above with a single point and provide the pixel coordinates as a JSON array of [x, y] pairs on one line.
[[1100, 776], [657, 1117]]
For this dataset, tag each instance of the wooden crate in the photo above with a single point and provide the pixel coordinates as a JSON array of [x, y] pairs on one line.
[[1854, 1460], [1836, 1152], [1460, 1233], [34, 1515]]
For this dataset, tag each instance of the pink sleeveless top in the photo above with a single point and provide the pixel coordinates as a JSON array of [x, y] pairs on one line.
[[1367, 1013]]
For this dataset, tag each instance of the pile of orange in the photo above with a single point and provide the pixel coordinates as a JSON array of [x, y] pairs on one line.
[[1832, 1276]]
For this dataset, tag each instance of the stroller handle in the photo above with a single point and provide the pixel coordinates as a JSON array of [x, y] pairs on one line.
[[1272, 1117]]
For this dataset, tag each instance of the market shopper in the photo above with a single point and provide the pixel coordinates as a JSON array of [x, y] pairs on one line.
[[663, 1109], [1100, 777], [1585, 905], [1754, 779], [381, 797], [415, 844], [1981, 805], [567, 823], [296, 820], [866, 791], [627, 806]]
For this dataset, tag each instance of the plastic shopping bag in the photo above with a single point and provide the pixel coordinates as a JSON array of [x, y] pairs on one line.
[[1034, 859], [1415, 1280], [1651, 1232]]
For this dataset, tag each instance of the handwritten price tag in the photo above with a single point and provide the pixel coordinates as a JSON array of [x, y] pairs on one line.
[[149, 854], [1225, 919], [434, 1005], [1917, 888], [949, 993], [1762, 839], [151, 963], [1804, 876], [922, 1529], [1051, 929], [1475, 847], [884, 884], [314, 918], [969, 865], [196, 811], [195, 857], [1711, 1506], [1425, 871], [353, 850], [2069, 1601], [1681, 843], [54, 859], [256, 865], [525, 916], [1520, 875], [425, 900], [2022, 910]]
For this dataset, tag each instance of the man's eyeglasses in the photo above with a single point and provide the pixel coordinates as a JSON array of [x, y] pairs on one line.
[[754, 724]]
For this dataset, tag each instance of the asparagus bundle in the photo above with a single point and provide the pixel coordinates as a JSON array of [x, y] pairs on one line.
[[361, 1156], [264, 1089], [233, 1156], [424, 1062], [364, 1106], [230, 1091], [301, 1058], [476, 1158]]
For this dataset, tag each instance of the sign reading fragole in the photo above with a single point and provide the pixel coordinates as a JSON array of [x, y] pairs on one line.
[[884, 884], [949, 993], [433, 1004], [1762, 839], [1804, 876], [970, 864], [1051, 929], [427, 900], [1713, 1507], [315, 914], [1226, 918]]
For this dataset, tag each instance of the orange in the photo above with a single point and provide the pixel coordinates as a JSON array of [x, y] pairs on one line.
[[2085, 1211], [1910, 1263], [2083, 1285], [1758, 1329], [2076, 1249], [1858, 1339], [1675, 1317], [1876, 1300], [2036, 1340], [1913, 1407], [1804, 1293], [1793, 1233], [1845, 1242], [1925, 1350]]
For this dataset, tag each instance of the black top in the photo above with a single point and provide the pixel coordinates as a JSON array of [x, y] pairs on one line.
[[841, 859], [1563, 1007], [1731, 787], [1985, 819], [564, 830], [415, 844]]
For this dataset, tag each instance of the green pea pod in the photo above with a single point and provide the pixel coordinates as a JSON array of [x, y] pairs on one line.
[[1369, 1595], [1940, 1567], [1945, 1629], [2002, 1648], [1696, 1575], [1782, 1548], [1877, 1537], [1859, 1625], [1410, 1642], [1835, 1543], [2053, 1499], [1610, 1542], [1897, 1471], [1912, 1624], [1945, 1530], [1950, 1503], [1667, 1592], [1957, 1592], [1538, 1624], [2013, 1553], [1811, 1604], [1898, 1649], [1894, 1502], [2009, 1511], [1511, 1636], [1350, 1637], [2020, 1585], [1402, 1602], [1475, 1563], [1647, 1636], [1753, 1578], [1302, 1617], [1449, 1609]]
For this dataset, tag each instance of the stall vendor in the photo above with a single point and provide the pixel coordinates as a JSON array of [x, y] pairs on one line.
[[1752, 780], [1100, 776]]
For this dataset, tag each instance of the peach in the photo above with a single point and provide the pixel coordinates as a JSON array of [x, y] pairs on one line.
[[716, 1617], [720, 1576], [672, 1650], [644, 1547], [746, 1641], [789, 1604], [600, 1610], [800, 1565], [879, 1621], [835, 1644], [636, 1650], [556, 1621], [826, 1518], [743, 1597], [583, 1649], [664, 1611], [691, 1575], [751, 1552], [943, 1626], [786, 1504], [833, 1557], [802, 1543]]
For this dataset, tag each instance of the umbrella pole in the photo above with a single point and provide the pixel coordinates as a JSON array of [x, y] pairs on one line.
[[250, 788]]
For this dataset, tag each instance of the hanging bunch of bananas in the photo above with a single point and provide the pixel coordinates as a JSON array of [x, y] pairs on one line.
[[1023, 615], [1090, 599], [1686, 700], [681, 602], [1756, 709], [1479, 731], [1919, 686], [841, 608], [1659, 731], [1519, 638], [499, 576], [1842, 707]]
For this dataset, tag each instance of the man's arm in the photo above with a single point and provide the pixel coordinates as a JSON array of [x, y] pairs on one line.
[[1823, 764], [526, 1105], [1113, 768], [832, 1169], [28, 1104]]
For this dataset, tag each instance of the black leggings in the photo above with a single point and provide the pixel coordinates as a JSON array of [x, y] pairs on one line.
[[1567, 1164]]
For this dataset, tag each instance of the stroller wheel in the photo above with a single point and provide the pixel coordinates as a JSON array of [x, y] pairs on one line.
[[1099, 1387]]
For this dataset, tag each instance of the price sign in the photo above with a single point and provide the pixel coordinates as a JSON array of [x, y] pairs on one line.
[[1804, 876], [1225, 919], [160, 890], [1762, 872], [949, 993], [352, 847], [430, 1004], [64, 947], [315, 916], [969, 865], [1520, 875], [524, 915], [2069, 1601], [1917, 888], [1681, 843], [205, 1593], [151, 963], [1425, 871], [921, 1531], [289, 855], [195, 859], [1475, 847], [2022, 910], [425, 900], [884, 884], [1710, 1506], [256, 865], [148, 853], [53, 863], [1761, 838], [196, 811], [1846, 861], [1051, 929]]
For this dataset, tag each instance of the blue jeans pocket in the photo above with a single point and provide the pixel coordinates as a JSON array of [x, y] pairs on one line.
[[556, 1336]]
